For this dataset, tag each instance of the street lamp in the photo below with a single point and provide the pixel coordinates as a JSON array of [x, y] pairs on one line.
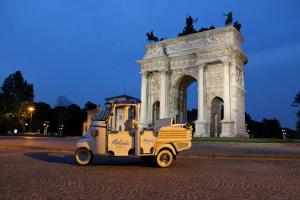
[[283, 134], [30, 109], [46, 126]]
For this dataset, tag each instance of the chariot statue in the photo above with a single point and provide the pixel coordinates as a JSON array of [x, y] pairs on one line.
[[228, 20]]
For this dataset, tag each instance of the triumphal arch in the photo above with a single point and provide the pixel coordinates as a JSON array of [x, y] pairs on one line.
[[215, 60]]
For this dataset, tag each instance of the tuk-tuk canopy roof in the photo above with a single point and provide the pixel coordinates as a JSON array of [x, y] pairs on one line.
[[123, 99]]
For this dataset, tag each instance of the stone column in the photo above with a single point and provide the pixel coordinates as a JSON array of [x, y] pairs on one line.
[[163, 94], [200, 124], [227, 123], [144, 104]]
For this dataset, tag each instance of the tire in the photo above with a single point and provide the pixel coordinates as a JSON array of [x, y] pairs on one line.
[[164, 158], [83, 156]]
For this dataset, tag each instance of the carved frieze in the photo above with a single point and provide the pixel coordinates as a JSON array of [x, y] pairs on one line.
[[206, 41], [155, 51]]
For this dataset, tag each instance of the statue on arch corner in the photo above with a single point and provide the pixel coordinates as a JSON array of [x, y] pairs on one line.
[[189, 28]]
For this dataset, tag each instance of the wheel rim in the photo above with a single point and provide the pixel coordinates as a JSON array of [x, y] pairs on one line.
[[83, 156], [165, 158]]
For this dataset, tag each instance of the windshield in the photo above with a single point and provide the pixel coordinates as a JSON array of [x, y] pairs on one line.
[[103, 113]]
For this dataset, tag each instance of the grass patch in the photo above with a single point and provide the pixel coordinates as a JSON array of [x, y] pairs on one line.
[[242, 140]]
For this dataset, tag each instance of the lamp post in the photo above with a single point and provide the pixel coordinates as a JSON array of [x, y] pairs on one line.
[[30, 109], [283, 134], [46, 126]]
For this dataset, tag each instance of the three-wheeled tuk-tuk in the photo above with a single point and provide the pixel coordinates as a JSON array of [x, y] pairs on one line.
[[114, 131]]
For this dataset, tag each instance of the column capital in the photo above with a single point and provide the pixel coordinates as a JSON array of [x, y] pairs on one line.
[[200, 64], [226, 60], [144, 73], [165, 72]]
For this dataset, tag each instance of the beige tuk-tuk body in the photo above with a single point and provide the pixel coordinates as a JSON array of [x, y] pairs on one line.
[[114, 131]]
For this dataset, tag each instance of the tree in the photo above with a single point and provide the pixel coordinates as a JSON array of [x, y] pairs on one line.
[[42, 116], [89, 106], [256, 129], [58, 115], [73, 120], [63, 101], [192, 115], [15, 95], [268, 128], [272, 128], [296, 103]]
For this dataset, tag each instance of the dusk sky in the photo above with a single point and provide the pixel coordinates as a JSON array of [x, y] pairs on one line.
[[87, 49]]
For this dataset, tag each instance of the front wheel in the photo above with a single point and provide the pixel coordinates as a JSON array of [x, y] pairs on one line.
[[164, 158], [83, 156]]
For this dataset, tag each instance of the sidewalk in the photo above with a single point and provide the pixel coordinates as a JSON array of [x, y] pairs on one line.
[[199, 148]]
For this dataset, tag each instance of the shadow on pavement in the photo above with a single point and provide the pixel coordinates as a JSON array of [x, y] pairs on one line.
[[51, 157]]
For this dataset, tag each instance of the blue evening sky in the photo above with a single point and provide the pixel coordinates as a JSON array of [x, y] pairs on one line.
[[87, 49]]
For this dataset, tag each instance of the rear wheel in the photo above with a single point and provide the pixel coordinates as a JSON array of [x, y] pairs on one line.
[[164, 158], [83, 156]]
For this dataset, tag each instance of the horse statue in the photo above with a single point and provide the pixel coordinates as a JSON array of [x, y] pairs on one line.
[[228, 20], [237, 25], [151, 37]]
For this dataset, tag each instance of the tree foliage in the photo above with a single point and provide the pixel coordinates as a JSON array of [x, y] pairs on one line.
[[63, 101], [42, 114], [268, 128], [15, 95], [296, 103], [89, 106], [73, 120]]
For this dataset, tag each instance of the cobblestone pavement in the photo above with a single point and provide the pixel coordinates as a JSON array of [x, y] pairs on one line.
[[36, 174]]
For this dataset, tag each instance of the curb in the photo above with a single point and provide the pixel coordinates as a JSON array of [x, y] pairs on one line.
[[242, 156]]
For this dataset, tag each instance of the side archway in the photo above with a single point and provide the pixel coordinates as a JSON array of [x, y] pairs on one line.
[[217, 115]]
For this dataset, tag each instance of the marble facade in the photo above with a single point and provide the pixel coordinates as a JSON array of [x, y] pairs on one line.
[[216, 61]]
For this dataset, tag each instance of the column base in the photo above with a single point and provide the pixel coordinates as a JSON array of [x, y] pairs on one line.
[[201, 130], [227, 128]]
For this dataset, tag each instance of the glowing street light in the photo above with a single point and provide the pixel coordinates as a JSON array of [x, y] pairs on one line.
[[31, 110], [283, 134]]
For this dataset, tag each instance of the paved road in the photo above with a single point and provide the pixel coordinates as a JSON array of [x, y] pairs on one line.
[[36, 174], [199, 149]]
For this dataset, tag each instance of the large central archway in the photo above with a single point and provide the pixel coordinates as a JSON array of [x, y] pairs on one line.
[[180, 95]]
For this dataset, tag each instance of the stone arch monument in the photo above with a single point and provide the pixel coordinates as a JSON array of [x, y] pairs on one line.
[[214, 59]]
